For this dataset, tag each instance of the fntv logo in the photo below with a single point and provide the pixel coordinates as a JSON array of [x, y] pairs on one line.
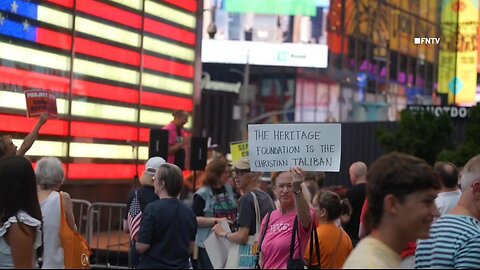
[[426, 41]]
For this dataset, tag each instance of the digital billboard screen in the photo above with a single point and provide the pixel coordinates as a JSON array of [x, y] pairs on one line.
[[266, 32]]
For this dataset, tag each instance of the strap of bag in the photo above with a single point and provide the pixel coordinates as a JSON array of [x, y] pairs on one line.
[[257, 216], [264, 232], [294, 233], [314, 241], [62, 210], [257, 263], [336, 249]]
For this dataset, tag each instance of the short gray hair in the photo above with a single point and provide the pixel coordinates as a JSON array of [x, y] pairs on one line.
[[471, 173], [49, 172], [172, 176]]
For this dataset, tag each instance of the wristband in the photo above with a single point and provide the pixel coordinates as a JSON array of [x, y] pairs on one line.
[[226, 238], [296, 192]]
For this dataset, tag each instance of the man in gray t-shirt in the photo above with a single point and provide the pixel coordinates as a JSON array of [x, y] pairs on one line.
[[246, 213]]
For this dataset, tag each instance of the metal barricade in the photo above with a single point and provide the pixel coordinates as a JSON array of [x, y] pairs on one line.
[[80, 212], [109, 243]]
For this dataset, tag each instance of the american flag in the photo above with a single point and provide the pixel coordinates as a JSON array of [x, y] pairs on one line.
[[118, 68], [134, 217]]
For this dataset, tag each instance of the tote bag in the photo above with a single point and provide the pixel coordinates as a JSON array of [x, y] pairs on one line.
[[245, 256], [76, 251]]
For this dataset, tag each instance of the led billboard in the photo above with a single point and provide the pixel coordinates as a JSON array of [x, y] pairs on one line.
[[293, 35]]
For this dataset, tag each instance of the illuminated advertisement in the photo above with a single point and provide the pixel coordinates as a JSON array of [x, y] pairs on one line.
[[457, 70], [126, 69], [262, 33]]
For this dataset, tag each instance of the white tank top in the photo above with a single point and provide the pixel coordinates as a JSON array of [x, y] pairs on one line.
[[53, 251]]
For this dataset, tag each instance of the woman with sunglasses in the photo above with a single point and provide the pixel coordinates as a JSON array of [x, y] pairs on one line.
[[248, 182]]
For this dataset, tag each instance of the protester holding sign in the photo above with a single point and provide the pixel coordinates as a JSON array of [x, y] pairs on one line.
[[248, 182], [8, 148], [213, 202], [280, 225]]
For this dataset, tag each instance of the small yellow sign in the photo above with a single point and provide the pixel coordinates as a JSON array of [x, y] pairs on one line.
[[238, 150]]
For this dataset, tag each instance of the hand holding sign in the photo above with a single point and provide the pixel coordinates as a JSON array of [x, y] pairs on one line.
[[279, 147], [298, 176], [43, 118], [41, 102]]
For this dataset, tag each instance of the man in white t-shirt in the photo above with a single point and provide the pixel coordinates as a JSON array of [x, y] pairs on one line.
[[450, 194], [401, 191]]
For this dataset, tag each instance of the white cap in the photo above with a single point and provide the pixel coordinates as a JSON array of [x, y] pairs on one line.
[[153, 164], [265, 179]]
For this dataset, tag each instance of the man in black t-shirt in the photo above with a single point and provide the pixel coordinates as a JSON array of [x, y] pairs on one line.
[[356, 196], [138, 199], [168, 228]]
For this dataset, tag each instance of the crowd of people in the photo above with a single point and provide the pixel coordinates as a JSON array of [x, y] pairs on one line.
[[399, 213]]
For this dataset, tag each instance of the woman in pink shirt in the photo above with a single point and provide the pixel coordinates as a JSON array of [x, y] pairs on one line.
[[275, 248]]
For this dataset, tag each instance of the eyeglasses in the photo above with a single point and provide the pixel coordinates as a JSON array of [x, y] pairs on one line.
[[282, 186], [239, 173]]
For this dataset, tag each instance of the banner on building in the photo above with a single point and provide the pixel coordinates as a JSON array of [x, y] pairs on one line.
[[457, 70]]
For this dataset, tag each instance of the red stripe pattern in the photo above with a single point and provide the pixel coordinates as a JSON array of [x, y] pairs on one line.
[[101, 91]]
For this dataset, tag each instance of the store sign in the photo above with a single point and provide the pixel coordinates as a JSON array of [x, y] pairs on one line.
[[263, 53], [208, 83], [452, 111]]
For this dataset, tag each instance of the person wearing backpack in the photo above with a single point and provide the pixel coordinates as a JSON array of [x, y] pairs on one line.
[[138, 199]]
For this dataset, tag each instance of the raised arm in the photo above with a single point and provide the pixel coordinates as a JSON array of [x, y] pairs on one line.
[[301, 204], [32, 136]]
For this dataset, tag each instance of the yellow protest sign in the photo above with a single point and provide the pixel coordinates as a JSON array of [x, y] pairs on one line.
[[238, 150]]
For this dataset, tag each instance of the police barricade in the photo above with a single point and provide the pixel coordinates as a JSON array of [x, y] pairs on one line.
[[109, 243], [80, 212]]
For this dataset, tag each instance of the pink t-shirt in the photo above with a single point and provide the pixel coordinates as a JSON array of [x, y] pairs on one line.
[[173, 138], [276, 245]]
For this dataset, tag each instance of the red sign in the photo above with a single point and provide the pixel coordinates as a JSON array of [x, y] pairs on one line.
[[41, 101]]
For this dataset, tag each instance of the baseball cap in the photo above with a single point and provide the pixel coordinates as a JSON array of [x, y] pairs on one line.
[[242, 164], [265, 179], [153, 164]]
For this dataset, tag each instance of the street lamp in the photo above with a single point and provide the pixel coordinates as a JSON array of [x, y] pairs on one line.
[[212, 27], [243, 96]]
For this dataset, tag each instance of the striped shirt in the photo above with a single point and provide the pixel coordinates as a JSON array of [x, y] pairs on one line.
[[454, 243]]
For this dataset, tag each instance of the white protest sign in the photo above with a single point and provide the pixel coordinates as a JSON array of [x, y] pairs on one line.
[[217, 248], [278, 147]]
